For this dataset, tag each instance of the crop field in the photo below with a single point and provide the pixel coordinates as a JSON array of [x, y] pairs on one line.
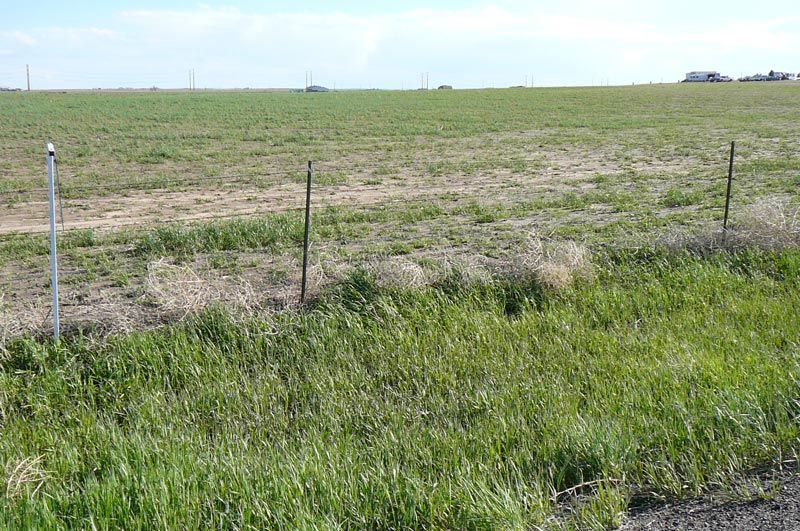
[[523, 311]]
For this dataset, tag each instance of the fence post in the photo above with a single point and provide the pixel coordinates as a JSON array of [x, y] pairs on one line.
[[728, 192], [51, 157], [305, 236]]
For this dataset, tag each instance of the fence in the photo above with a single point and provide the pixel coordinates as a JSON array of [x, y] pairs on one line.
[[157, 201]]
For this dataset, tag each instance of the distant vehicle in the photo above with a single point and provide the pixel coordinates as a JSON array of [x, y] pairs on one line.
[[721, 79], [317, 88], [445, 87]]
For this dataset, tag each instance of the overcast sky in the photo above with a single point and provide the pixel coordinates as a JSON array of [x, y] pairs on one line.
[[362, 44]]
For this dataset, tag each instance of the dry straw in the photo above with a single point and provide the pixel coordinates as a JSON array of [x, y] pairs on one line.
[[177, 289], [31, 317], [555, 265], [770, 225], [25, 475]]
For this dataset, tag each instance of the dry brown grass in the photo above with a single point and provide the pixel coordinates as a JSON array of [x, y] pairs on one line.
[[404, 272], [178, 290], [399, 271], [31, 317], [181, 291], [555, 265], [24, 476], [770, 225]]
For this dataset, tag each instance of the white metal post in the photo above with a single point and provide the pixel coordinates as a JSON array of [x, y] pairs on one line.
[[51, 159]]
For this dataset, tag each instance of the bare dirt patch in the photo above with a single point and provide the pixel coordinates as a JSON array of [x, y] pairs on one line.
[[554, 170]]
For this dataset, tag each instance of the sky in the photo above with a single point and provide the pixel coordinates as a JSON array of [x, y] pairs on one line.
[[388, 45]]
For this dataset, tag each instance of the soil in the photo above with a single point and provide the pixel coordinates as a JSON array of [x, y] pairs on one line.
[[557, 171]]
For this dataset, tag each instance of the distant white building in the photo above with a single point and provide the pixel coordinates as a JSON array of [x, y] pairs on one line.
[[701, 76]]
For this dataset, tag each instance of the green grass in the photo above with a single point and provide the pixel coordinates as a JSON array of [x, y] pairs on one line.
[[454, 406], [141, 138], [237, 234], [451, 406], [676, 197]]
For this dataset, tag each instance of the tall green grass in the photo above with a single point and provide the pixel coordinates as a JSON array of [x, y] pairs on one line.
[[453, 406]]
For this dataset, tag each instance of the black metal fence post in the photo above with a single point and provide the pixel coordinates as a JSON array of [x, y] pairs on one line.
[[305, 236], [728, 192]]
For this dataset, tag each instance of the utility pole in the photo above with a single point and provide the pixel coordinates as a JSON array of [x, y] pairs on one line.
[[28, 73], [427, 80]]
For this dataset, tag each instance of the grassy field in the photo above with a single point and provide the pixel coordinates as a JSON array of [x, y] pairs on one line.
[[147, 176], [524, 313]]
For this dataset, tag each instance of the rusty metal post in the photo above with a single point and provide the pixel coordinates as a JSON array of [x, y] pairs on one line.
[[728, 192], [305, 236]]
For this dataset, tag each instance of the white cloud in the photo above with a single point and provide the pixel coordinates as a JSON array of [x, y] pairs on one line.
[[20, 37], [230, 46], [458, 25]]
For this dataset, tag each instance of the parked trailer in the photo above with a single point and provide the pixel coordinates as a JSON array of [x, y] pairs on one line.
[[701, 76]]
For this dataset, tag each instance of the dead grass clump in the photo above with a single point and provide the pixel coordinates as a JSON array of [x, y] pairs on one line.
[[103, 313], [26, 475], [770, 225], [31, 317], [461, 268], [178, 289], [555, 265], [398, 271], [563, 264], [326, 271]]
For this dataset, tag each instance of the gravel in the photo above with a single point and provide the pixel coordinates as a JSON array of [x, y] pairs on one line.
[[777, 509]]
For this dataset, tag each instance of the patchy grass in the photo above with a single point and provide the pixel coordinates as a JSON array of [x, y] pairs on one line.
[[449, 405]]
